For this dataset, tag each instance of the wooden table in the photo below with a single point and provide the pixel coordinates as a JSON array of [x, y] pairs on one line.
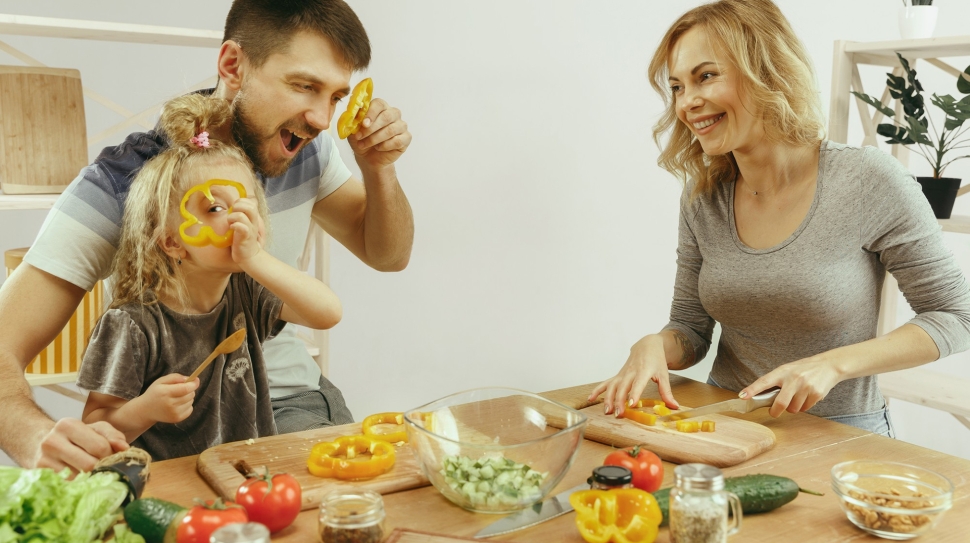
[[807, 448]]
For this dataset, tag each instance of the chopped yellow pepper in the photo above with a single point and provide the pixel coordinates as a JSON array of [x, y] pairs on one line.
[[689, 426], [351, 458], [643, 418], [621, 515], [661, 410], [707, 426], [370, 423]]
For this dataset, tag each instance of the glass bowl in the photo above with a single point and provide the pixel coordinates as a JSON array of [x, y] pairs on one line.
[[494, 450], [891, 500]]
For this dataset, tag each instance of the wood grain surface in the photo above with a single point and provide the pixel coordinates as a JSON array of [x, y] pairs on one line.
[[288, 453]]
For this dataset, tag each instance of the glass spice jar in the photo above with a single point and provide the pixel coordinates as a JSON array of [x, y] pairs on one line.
[[249, 532], [699, 506], [607, 477], [352, 516]]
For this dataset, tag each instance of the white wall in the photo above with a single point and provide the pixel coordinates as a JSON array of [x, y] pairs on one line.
[[545, 232]]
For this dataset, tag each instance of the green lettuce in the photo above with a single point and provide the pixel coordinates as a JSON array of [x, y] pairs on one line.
[[40, 505]]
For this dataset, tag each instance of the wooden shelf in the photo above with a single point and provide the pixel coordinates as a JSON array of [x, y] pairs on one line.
[[883, 53], [48, 27], [956, 223], [27, 201]]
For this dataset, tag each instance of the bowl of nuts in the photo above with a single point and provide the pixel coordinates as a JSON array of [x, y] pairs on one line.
[[891, 500]]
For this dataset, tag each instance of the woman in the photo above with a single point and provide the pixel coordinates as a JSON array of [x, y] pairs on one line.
[[785, 238]]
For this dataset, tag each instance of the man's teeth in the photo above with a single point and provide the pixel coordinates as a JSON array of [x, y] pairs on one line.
[[709, 122]]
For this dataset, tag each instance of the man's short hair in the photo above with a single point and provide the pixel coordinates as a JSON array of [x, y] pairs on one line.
[[264, 27]]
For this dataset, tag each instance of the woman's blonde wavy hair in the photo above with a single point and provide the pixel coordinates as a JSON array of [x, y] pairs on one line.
[[141, 269], [776, 76]]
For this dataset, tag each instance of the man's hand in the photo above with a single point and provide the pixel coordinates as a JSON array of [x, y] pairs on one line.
[[382, 137], [73, 444]]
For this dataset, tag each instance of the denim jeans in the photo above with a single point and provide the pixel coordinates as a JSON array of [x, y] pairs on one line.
[[877, 422], [311, 409]]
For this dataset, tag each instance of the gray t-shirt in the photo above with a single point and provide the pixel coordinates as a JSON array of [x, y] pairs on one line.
[[135, 344], [820, 288]]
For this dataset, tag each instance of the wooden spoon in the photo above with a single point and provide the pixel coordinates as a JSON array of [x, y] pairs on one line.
[[227, 346]]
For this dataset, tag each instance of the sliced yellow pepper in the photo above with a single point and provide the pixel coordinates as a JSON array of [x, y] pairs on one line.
[[357, 106], [643, 418], [368, 427], [688, 426], [621, 515], [661, 410], [707, 426], [206, 234], [351, 458]]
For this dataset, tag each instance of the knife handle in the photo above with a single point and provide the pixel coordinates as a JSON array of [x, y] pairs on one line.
[[765, 399]]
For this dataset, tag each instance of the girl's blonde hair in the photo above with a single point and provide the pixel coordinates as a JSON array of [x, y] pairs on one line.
[[141, 269], [776, 75]]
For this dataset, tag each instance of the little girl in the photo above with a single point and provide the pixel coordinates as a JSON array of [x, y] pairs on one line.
[[182, 283]]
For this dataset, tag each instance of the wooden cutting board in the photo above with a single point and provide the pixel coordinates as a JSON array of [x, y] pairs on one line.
[[733, 441], [402, 535], [288, 453]]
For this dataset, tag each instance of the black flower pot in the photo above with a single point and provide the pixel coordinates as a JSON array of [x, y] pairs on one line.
[[941, 193]]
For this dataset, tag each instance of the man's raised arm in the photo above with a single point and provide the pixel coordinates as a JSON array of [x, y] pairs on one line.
[[34, 307]]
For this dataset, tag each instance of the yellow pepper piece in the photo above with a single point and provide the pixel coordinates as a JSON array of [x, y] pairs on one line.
[[688, 426], [206, 234], [357, 106], [643, 418], [368, 427], [707, 426], [346, 458], [623, 515], [661, 410]]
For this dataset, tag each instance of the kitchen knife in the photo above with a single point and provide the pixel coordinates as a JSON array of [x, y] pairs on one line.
[[538, 513], [736, 405]]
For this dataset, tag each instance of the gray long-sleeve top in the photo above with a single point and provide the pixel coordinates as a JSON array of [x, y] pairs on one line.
[[820, 288]]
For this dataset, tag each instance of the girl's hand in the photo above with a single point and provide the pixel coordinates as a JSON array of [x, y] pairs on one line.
[[170, 398], [248, 230], [803, 384], [647, 362]]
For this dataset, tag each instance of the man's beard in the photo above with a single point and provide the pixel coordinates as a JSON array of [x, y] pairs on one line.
[[250, 141]]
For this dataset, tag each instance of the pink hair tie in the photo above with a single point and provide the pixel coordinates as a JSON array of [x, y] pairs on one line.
[[202, 140]]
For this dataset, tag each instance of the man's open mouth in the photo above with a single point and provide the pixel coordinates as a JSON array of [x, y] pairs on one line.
[[292, 141]]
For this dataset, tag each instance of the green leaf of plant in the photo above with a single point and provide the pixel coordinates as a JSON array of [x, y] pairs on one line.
[[917, 131], [887, 111], [962, 84], [894, 134]]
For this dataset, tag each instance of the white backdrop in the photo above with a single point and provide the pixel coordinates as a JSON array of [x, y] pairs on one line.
[[545, 232]]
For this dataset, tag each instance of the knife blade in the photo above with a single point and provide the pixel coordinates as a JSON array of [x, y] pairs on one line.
[[540, 512], [736, 405]]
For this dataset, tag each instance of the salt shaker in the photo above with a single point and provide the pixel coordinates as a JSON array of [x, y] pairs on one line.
[[699, 506], [352, 515], [607, 477]]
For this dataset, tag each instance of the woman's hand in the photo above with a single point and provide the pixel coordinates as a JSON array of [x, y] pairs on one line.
[[803, 384], [247, 227], [647, 362]]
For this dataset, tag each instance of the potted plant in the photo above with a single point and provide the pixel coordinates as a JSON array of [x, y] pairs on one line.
[[917, 131], [917, 19]]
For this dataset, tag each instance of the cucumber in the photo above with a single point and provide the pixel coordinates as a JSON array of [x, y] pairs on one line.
[[154, 519], [758, 493]]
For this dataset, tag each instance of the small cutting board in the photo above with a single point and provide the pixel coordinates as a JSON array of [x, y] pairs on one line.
[[733, 441], [288, 453]]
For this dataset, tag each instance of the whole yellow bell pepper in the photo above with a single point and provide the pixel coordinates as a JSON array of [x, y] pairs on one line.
[[621, 515]]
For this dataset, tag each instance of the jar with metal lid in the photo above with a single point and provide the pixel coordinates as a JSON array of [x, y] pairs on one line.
[[699, 506], [607, 477], [352, 516], [249, 532]]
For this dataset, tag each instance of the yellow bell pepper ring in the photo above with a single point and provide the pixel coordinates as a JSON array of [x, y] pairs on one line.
[[206, 234], [622, 515], [368, 427], [351, 458], [357, 106]]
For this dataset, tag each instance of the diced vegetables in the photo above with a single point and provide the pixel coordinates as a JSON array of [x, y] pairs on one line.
[[643, 418], [707, 426], [661, 410], [688, 426], [492, 482]]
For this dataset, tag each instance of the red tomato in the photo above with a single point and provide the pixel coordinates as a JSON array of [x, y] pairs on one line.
[[648, 470], [199, 523], [273, 502]]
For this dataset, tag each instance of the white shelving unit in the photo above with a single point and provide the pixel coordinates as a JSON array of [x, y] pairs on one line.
[[914, 385], [316, 250]]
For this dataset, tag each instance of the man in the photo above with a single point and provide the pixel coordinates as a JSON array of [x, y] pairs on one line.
[[285, 66]]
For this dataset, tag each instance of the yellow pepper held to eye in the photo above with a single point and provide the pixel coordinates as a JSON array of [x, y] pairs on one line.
[[622, 515], [206, 234], [368, 427], [357, 107], [351, 458]]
